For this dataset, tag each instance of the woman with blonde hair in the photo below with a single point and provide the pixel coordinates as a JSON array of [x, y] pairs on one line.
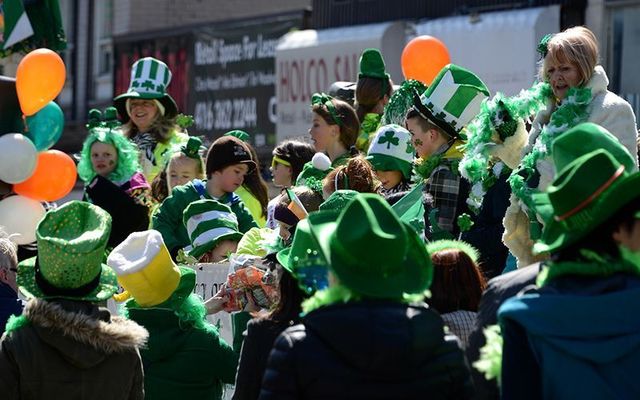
[[572, 90]]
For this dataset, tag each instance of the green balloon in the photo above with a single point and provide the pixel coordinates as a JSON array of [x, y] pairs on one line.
[[45, 126]]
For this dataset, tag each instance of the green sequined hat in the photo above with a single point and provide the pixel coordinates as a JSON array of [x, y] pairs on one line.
[[150, 78], [452, 100], [71, 246]]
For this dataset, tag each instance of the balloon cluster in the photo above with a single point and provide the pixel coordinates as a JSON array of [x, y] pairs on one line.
[[36, 173]]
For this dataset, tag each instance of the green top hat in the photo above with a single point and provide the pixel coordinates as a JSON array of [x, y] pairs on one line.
[[371, 251], [584, 195], [391, 150], [372, 65], [304, 259], [149, 80], [242, 135], [452, 100], [209, 222], [71, 244]]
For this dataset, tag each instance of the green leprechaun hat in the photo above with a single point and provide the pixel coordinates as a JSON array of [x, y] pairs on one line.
[[304, 260], [391, 150], [150, 79], [371, 251], [372, 65], [71, 244], [584, 195], [209, 222], [452, 100]]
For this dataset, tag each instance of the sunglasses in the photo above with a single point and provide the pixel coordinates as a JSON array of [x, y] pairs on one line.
[[278, 160]]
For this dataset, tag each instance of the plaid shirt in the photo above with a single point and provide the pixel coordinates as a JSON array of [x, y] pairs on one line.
[[447, 192]]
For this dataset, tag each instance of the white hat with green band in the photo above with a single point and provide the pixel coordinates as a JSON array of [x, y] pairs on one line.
[[452, 100], [391, 150]]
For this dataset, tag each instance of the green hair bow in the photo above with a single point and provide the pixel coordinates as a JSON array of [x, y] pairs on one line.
[[325, 100]]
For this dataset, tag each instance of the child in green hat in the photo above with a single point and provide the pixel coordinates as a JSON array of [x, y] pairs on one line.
[[184, 165], [113, 179], [368, 334], [391, 155], [63, 341]]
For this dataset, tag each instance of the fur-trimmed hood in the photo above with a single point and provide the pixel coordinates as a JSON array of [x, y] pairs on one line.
[[82, 333]]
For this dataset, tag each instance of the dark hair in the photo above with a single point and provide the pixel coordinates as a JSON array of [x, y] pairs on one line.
[[296, 153], [350, 126], [369, 91], [424, 124], [159, 186], [600, 239], [254, 183], [310, 199], [357, 174], [457, 282], [288, 307]]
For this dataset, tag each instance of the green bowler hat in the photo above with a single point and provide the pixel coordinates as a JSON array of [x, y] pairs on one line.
[[150, 79], [583, 196], [452, 100], [371, 251], [71, 244]]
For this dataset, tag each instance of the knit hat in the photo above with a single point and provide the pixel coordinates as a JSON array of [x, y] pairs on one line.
[[226, 151], [338, 200], [314, 172], [305, 260], [391, 150], [149, 81], [371, 251], [147, 272], [452, 100], [71, 244], [209, 222], [583, 196], [372, 65], [242, 135]]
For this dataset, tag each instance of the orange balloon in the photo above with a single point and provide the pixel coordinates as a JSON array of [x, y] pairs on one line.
[[423, 57], [54, 178], [39, 79]]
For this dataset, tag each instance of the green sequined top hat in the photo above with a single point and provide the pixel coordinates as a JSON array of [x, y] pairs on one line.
[[304, 260], [209, 222], [371, 251], [583, 196], [391, 150], [452, 100], [242, 135], [71, 244], [150, 78], [372, 65]]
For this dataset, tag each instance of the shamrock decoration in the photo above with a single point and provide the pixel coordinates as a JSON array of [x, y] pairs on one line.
[[390, 139], [409, 149], [464, 222]]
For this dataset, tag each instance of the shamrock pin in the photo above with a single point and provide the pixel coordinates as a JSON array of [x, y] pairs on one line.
[[390, 139]]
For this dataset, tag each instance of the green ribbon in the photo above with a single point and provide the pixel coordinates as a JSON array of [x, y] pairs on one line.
[[326, 101]]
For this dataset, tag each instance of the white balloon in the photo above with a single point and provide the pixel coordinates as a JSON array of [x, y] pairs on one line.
[[18, 158], [19, 216]]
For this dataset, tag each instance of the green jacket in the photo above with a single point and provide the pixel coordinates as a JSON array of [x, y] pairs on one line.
[[168, 217], [182, 362]]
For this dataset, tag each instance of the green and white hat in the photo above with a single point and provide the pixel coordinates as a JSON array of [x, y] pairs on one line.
[[391, 150], [452, 100], [150, 79], [209, 222]]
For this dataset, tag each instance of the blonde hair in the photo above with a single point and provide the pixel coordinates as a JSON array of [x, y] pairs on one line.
[[577, 45], [8, 252]]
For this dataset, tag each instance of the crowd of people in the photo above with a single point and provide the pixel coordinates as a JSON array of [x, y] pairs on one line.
[[431, 241]]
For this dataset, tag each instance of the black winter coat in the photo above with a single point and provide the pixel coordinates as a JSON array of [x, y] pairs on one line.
[[378, 350]]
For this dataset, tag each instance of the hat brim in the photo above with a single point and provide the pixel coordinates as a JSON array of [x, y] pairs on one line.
[[197, 252], [555, 236], [415, 278], [120, 103], [26, 280], [283, 258], [383, 162]]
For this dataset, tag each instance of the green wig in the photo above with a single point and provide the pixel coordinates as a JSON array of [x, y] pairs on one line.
[[127, 163]]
